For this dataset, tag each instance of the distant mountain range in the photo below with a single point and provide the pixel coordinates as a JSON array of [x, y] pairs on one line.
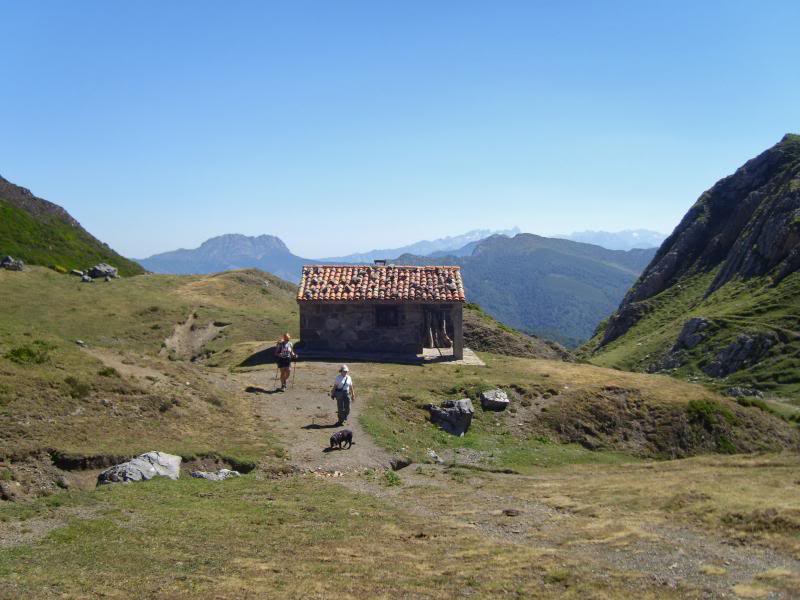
[[439, 247], [552, 288], [619, 240], [721, 299], [227, 252], [42, 233]]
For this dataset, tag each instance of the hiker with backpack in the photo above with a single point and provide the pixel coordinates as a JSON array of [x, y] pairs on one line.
[[344, 393], [284, 354]]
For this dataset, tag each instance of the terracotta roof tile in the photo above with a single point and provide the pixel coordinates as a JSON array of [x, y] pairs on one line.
[[352, 283]]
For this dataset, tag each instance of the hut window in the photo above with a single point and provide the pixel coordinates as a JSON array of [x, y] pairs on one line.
[[387, 316]]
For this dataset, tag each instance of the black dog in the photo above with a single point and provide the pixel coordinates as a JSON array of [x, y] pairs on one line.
[[340, 438]]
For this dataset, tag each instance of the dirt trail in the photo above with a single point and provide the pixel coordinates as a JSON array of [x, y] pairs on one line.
[[304, 415], [188, 338], [653, 553]]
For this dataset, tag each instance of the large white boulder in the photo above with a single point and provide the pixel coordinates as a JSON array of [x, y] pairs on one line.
[[142, 468]]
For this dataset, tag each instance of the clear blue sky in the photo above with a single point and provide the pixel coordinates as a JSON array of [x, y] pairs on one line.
[[343, 126]]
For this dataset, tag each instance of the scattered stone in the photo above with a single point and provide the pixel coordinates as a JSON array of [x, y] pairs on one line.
[[77, 272], [453, 416], [511, 512], [143, 468], [12, 264], [102, 270], [743, 392], [81, 343], [494, 400], [399, 462], [220, 475], [86, 279], [435, 457]]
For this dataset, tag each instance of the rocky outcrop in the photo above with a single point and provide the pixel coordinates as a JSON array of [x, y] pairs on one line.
[[102, 271], [12, 264], [692, 333], [453, 416], [143, 468], [746, 350], [494, 400]]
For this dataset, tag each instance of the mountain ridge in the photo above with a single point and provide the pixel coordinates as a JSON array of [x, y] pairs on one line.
[[41, 232], [551, 288], [720, 298]]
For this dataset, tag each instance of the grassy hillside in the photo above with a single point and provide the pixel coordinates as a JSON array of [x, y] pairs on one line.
[[483, 333], [554, 497], [42, 233], [720, 301], [750, 308], [56, 395]]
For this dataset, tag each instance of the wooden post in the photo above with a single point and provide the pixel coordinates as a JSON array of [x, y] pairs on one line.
[[458, 331]]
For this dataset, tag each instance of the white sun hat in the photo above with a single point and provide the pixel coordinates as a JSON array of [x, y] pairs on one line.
[[344, 369]]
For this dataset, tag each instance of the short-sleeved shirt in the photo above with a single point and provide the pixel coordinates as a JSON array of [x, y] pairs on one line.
[[344, 382]]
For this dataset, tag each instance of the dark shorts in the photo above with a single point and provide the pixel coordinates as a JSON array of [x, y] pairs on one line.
[[284, 363]]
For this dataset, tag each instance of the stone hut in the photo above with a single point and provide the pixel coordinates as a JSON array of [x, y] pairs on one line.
[[381, 309]]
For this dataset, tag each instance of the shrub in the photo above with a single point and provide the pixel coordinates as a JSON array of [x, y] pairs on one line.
[[77, 389], [708, 413], [392, 479], [108, 372], [35, 353]]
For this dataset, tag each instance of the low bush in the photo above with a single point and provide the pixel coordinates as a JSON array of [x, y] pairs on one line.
[[35, 353], [77, 389]]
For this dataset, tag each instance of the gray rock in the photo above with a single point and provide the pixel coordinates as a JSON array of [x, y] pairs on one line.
[[399, 462], [143, 468], [494, 400], [102, 270], [453, 416], [692, 333], [743, 392], [435, 457], [81, 343], [77, 273], [745, 351], [86, 279], [220, 475], [12, 264]]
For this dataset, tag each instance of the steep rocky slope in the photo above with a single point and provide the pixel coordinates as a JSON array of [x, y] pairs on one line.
[[720, 299], [42, 233]]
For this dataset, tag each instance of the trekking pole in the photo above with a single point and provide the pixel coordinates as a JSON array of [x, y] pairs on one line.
[[294, 373]]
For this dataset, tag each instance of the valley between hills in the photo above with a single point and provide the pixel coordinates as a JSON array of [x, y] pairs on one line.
[[648, 463]]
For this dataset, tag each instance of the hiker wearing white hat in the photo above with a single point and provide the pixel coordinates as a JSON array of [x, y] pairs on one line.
[[344, 393]]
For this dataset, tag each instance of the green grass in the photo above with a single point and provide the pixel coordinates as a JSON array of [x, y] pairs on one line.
[[43, 372], [751, 307], [251, 538], [48, 241]]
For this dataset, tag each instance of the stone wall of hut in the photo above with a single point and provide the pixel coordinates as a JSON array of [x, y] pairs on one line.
[[354, 327]]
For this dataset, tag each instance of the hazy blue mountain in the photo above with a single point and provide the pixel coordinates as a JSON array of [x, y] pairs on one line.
[[424, 248], [552, 288], [230, 251], [618, 240]]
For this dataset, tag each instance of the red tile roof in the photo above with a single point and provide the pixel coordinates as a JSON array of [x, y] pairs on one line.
[[350, 283]]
